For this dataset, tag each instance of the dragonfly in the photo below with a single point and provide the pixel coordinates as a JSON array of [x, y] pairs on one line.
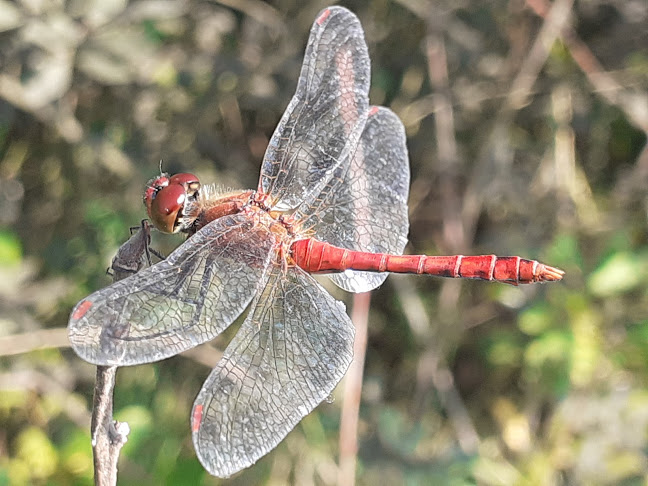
[[331, 199]]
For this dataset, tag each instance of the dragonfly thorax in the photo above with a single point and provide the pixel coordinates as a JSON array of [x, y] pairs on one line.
[[214, 202]]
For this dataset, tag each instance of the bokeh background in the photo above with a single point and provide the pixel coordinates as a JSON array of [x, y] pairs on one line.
[[526, 125]]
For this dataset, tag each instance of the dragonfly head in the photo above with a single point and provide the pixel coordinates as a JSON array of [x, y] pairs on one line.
[[166, 199]]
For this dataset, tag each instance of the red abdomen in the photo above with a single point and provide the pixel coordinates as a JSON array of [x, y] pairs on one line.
[[318, 257]]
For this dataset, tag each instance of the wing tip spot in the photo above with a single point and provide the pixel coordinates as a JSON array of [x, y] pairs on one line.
[[81, 309], [196, 418], [323, 16]]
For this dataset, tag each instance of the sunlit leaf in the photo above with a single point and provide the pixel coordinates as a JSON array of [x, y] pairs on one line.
[[504, 349], [35, 448], [492, 471], [76, 454], [535, 320], [553, 346], [624, 464], [10, 248], [565, 251], [620, 273], [103, 67], [586, 353], [11, 400]]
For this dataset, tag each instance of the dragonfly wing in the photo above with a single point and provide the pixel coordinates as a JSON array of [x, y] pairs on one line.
[[288, 356], [181, 302], [322, 125], [364, 206]]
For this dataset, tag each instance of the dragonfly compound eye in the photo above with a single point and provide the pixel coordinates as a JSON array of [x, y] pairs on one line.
[[166, 198], [190, 183], [185, 179], [166, 206], [153, 187]]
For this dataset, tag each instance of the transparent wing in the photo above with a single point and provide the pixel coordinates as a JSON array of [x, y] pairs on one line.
[[364, 206], [289, 354], [181, 302], [322, 125]]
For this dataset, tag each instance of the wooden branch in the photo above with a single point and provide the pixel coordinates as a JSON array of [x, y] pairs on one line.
[[109, 436], [353, 392], [34, 340]]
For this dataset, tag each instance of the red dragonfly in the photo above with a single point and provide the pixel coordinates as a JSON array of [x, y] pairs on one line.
[[332, 198]]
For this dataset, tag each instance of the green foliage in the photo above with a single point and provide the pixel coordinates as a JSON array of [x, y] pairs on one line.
[[619, 274], [10, 248]]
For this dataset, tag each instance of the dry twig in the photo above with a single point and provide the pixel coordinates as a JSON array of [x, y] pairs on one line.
[[108, 435], [353, 392]]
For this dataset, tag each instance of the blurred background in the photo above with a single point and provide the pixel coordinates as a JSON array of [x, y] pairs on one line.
[[526, 125]]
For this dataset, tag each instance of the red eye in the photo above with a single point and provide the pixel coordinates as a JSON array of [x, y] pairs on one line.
[[163, 209], [184, 178], [152, 188], [165, 199]]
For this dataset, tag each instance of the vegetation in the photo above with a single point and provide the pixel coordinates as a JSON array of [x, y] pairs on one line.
[[526, 126]]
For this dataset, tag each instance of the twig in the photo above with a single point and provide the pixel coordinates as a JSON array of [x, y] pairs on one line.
[[205, 354], [33, 340], [555, 22], [353, 391], [109, 436], [453, 234]]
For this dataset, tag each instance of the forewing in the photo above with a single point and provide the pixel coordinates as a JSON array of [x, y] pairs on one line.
[[364, 206], [322, 125], [181, 302], [288, 356]]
